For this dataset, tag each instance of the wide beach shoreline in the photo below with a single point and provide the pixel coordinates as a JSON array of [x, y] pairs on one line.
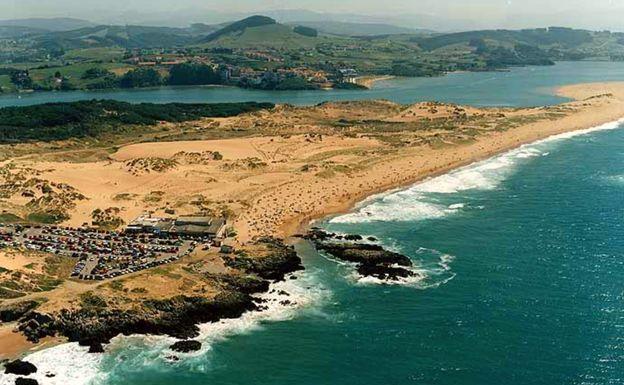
[[593, 109], [486, 147]]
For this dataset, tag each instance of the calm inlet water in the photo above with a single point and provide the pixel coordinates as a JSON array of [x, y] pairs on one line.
[[525, 86], [520, 261]]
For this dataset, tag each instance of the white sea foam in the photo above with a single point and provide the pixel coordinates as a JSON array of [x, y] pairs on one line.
[[66, 364], [72, 365], [283, 301], [419, 201], [615, 180], [431, 269]]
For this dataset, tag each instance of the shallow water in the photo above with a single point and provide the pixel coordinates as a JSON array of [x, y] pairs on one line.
[[524, 86]]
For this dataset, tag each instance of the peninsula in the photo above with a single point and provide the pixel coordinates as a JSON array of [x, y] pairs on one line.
[[268, 170]]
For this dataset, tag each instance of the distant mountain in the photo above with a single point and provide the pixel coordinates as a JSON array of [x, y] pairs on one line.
[[12, 32], [261, 31], [562, 37], [123, 36], [48, 24], [241, 25], [357, 29]]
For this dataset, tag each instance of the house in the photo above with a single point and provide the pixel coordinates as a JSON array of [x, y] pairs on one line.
[[147, 224], [347, 75], [211, 227], [193, 226]]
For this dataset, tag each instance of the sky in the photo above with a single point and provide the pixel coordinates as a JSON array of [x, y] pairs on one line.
[[441, 14]]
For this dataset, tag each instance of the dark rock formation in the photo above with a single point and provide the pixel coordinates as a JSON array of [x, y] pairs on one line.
[[247, 284], [371, 260], [25, 381], [19, 367], [364, 254], [176, 317], [384, 272], [14, 312], [280, 261], [186, 346], [96, 348]]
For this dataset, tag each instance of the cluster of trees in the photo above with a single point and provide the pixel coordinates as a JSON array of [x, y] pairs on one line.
[[273, 81], [58, 121], [193, 74], [180, 74], [305, 31], [565, 37], [411, 68], [519, 55]]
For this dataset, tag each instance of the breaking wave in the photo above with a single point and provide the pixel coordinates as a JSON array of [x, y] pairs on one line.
[[70, 364], [425, 200]]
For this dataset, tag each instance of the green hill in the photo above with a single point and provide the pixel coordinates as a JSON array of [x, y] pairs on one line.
[[273, 36], [122, 36], [560, 43], [240, 26], [263, 32]]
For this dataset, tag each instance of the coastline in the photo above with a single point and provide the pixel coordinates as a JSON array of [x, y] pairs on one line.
[[504, 142], [418, 164], [369, 81]]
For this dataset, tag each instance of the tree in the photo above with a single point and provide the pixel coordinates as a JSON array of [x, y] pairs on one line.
[[192, 74], [21, 79], [141, 77], [305, 31]]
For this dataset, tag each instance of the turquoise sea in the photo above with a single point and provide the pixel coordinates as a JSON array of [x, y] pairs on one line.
[[520, 260]]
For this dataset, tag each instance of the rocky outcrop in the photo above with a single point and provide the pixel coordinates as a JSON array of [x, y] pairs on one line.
[[364, 254], [248, 284], [14, 312], [186, 346], [25, 381], [281, 260], [176, 317], [19, 367], [372, 260]]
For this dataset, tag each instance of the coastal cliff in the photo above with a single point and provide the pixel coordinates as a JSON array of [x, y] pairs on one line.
[[96, 322]]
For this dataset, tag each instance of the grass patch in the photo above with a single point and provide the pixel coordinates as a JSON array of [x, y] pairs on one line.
[[10, 218], [45, 218]]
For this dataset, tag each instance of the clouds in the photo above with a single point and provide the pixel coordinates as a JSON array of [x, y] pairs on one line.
[[453, 14]]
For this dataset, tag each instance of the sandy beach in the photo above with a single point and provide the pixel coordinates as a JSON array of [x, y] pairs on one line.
[[297, 167], [369, 81], [300, 164]]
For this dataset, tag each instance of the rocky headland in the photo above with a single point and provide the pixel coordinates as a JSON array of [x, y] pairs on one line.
[[372, 260], [94, 324]]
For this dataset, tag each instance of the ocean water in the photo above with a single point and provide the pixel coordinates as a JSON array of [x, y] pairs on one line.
[[520, 260], [522, 86]]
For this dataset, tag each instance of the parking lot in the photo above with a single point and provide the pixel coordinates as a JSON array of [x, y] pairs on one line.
[[99, 254]]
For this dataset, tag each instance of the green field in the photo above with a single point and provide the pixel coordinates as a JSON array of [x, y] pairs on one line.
[[74, 72], [101, 54]]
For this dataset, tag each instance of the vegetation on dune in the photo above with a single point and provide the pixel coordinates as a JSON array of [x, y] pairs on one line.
[[57, 121]]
